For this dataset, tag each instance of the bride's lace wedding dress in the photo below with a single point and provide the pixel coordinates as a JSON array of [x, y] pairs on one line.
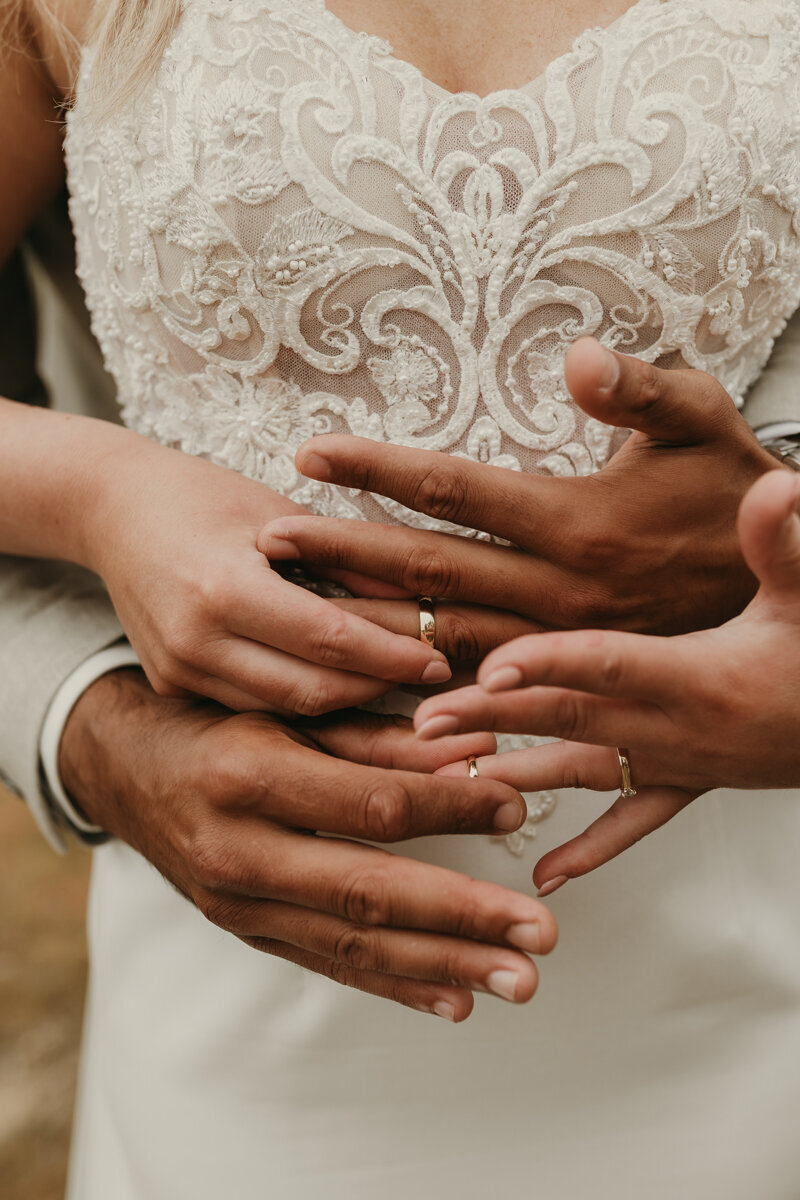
[[292, 231]]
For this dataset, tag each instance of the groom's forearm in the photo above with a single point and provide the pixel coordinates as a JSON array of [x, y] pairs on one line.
[[52, 618]]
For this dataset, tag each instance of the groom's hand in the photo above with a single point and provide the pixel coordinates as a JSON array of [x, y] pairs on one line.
[[647, 544], [226, 807]]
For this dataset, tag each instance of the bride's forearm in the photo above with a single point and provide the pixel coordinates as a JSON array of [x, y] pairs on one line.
[[55, 479]]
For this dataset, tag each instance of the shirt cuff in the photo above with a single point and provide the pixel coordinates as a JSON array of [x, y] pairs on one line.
[[778, 430], [112, 659]]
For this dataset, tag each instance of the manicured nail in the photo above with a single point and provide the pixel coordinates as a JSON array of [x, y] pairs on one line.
[[316, 467], [436, 672], [279, 549], [527, 936], [509, 817], [438, 727], [442, 1009], [609, 373], [503, 983], [503, 680], [552, 885]]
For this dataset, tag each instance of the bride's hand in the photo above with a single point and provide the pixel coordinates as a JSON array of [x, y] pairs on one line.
[[719, 708], [174, 539], [647, 544]]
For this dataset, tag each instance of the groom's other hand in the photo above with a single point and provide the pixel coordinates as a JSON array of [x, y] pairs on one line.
[[226, 806], [647, 544]]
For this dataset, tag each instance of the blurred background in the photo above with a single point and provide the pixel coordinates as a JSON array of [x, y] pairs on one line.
[[42, 984]]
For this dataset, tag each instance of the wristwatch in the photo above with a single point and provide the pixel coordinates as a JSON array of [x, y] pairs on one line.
[[786, 450]]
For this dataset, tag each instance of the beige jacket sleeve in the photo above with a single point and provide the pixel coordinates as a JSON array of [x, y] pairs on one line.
[[52, 616], [775, 398]]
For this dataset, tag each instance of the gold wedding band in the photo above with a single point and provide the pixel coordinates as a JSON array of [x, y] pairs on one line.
[[628, 790], [427, 621], [472, 766]]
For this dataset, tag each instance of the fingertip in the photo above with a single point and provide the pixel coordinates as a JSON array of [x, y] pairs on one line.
[[765, 520], [590, 369]]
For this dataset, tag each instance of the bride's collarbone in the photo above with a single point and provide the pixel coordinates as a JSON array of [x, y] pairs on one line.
[[478, 45]]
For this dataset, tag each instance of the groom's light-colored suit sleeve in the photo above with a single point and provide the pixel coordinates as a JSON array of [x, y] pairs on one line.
[[53, 616]]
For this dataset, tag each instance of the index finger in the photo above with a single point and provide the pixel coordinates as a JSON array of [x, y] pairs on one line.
[[304, 788], [509, 504]]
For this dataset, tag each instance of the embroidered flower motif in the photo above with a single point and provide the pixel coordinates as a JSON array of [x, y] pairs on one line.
[[407, 374], [254, 426]]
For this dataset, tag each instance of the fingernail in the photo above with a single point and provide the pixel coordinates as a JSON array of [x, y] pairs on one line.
[[438, 727], [278, 548], [442, 1009], [503, 983], [609, 373], [525, 937], [503, 680], [552, 885], [436, 672], [508, 817], [316, 467]]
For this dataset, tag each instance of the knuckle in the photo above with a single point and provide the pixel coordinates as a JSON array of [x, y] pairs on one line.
[[460, 638], [213, 864], [227, 778], [219, 909], [310, 699], [387, 813], [472, 919], [179, 644], [441, 492], [649, 390], [337, 972], [598, 549], [353, 948], [331, 642], [430, 574], [366, 897], [612, 669], [570, 718]]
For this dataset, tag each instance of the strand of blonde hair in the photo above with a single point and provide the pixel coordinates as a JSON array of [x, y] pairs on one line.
[[129, 37]]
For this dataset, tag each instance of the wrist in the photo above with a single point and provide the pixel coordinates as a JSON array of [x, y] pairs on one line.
[[109, 719]]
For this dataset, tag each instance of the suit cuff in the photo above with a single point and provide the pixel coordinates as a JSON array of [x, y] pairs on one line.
[[112, 659], [778, 430]]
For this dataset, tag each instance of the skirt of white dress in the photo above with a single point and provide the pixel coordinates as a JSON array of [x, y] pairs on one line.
[[660, 1058]]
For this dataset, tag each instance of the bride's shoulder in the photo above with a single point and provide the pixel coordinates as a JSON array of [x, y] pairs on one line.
[[55, 30]]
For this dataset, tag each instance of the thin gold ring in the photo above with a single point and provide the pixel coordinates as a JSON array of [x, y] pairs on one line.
[[628, 790], [427, 621], [472, 766]]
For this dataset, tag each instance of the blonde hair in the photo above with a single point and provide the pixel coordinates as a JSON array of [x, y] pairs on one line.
[[129, 37]]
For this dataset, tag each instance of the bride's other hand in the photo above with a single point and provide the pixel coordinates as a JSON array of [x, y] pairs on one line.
[[647, 544], [718, 708], [174, 539]]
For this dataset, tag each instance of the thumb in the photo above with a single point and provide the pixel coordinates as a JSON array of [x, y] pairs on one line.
[[667, 406], [769, 532]]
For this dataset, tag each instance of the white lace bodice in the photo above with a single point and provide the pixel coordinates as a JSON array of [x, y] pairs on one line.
[[294, 232]]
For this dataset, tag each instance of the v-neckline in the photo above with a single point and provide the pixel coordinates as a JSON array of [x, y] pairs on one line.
[[388, 52]]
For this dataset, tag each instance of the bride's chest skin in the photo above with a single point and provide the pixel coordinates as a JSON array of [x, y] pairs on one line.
[[478, 45]]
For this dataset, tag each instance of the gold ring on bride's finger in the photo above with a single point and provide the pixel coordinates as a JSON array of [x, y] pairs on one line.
[[628, 790], [472, 766], [427, 621]]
